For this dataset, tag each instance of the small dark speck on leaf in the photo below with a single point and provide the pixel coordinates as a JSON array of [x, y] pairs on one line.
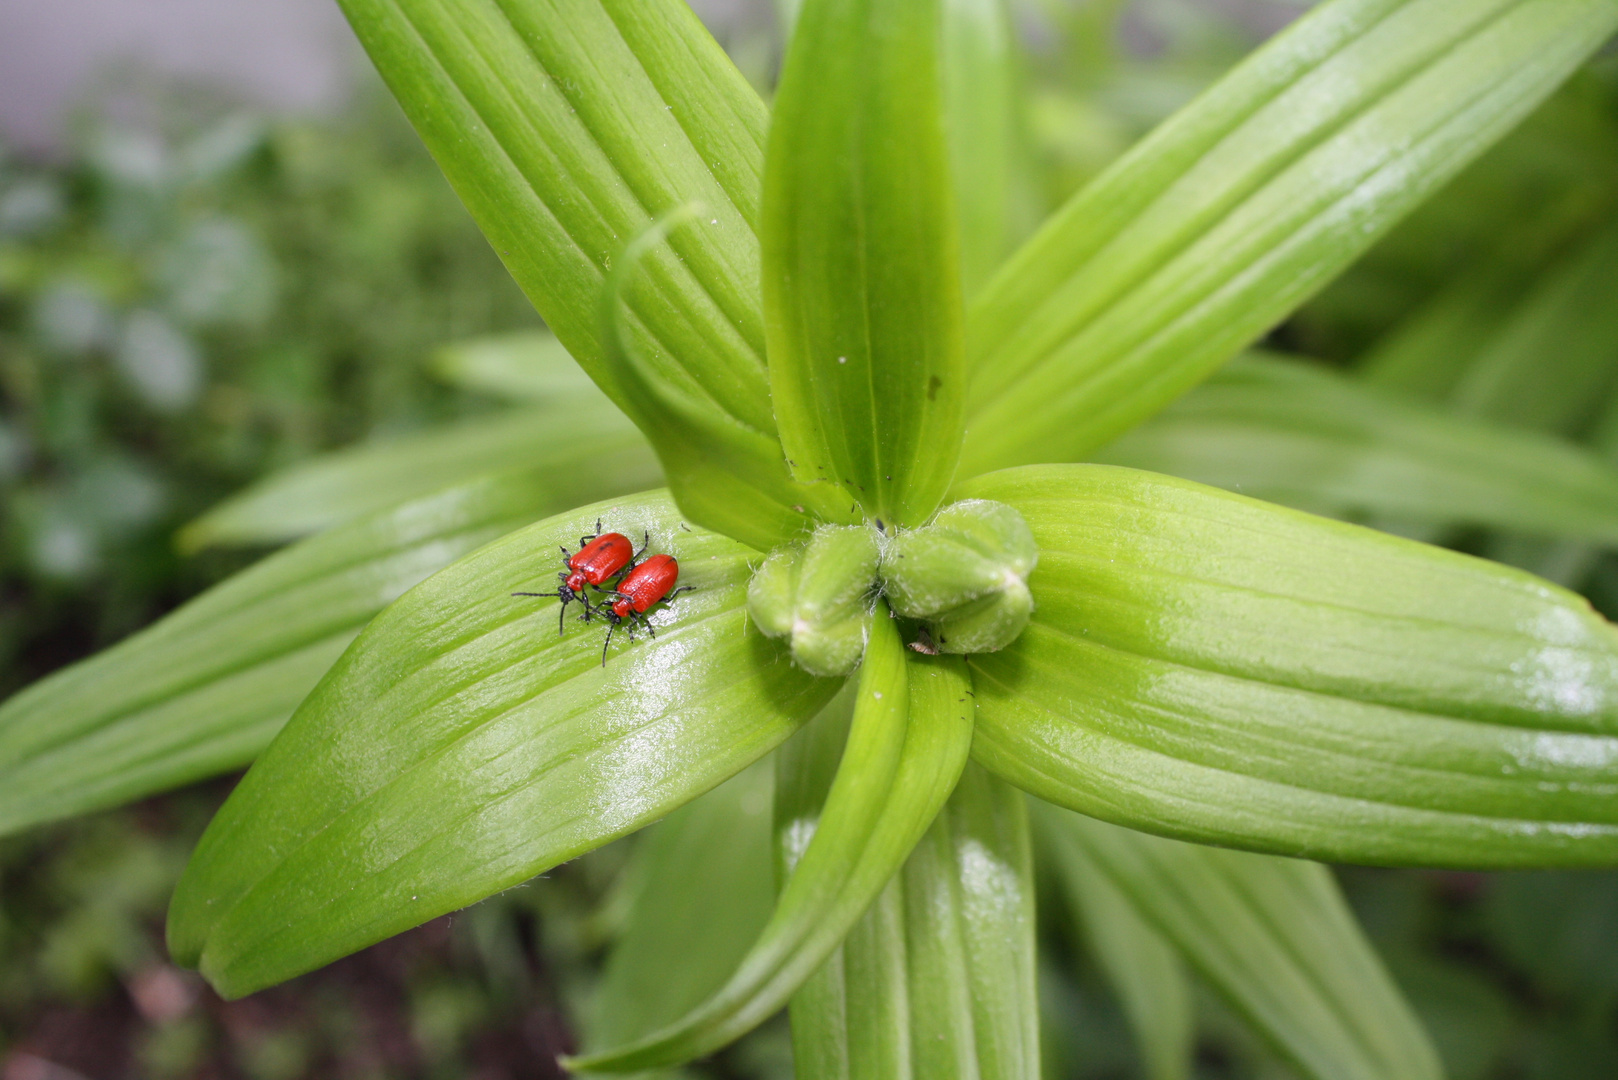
[[932, 387]]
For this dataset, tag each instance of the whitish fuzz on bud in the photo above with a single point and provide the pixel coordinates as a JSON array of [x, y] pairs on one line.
[[966, 574], [819, 593]]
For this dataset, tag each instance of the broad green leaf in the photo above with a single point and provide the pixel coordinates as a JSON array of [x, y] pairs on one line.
[[585, 447], [1210, 667], [907, 743], [862, 288], [1145, 970], [1300, 435], [937, 980], [1273, 936], [527, 365], [704, 891], [204, 690], [1244, 203], [461, 745], [1548, 360], [723, 474], [981, 110], [567, 126], [570, 128]]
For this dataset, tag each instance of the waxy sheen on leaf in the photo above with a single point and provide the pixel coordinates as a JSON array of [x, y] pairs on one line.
[[460, 747], [1211, 667]]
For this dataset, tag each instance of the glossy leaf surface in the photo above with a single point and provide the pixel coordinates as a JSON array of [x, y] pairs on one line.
[[461, 746], [862, 290], [907, 742], [1215, 668], [937, 980], [1300, 435], [586, 447], [1273, 936], [206, 688], [1145, 970], [1228, 215]]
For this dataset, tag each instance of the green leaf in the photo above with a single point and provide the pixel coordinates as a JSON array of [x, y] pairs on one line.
[[205, 689], [1303, 436], [862, 287], [527, 365], [704, 891], [937, 980], [1215, 668], [1244, 203], [567, 126], [723, 474], [461, 746], [907, 743], [572, 129], [585, 447], [1273, 936], [1144, 969], [981, 108]]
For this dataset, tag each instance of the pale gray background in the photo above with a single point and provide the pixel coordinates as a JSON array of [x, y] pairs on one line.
[[283, 54]]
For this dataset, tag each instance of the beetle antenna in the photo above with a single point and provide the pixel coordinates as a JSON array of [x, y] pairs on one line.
[[606, 643]]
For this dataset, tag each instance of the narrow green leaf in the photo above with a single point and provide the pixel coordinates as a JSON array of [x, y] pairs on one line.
[[572, 129], [862, 287], [567, 126], [1215, 668], [1244, 203], [527, 365], [1300, 435], [907, 743], [981, 110], [1273, 936], [1143, 967], [461, 746], [937, 980], [585, 447], [704, 893], [723, 474], [205, 689]]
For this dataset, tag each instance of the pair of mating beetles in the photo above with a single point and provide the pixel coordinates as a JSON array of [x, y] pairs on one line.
[[601, 558]]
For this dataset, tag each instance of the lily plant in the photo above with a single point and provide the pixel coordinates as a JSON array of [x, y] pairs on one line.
[[904, 581]]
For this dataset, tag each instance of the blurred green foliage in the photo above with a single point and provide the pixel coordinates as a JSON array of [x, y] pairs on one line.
[[188, 305]]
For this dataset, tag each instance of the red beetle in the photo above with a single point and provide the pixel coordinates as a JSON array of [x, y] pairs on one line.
[[646, 584], [599, 558]]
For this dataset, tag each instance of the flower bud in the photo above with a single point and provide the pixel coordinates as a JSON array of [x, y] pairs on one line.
[[966, 573], [819, 593]]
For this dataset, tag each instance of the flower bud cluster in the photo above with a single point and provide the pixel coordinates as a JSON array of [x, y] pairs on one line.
[[964, 575], [820, 593]]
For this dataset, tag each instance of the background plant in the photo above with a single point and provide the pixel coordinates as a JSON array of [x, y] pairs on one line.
[[1451, 433]]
